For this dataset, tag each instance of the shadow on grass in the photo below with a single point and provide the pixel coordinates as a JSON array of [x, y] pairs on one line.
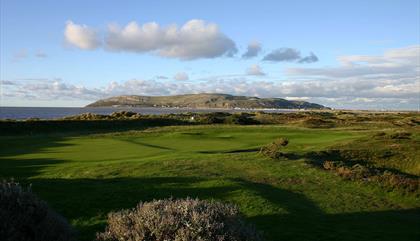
[[87, 199], [230, 151], [305, 221], [21, 137], [19, 145], [24, 168], [148, 145], [79, 127], [347, 157], [84, 199]]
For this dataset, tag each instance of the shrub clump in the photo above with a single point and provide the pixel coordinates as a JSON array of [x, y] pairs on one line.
[[316, 122], [23, 216], [400, 135], [120, 115], [241, 119], [86, 116], [385, 178], [394, 136], [125, 115], [178, 220], [354, 172], [273, 150], [212, 118]]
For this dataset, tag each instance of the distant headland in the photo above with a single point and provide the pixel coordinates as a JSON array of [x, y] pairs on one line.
[[205, 100]]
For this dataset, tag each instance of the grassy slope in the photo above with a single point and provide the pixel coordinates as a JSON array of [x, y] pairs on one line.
[[204, 101], [85, 177]]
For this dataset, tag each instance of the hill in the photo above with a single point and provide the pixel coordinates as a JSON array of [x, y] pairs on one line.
[[205, 100]]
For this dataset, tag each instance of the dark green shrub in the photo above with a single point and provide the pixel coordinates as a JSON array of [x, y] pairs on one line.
[[23, 216], [178, 220], [316, 122], [401, 135], [125, 115], [86, 116], [273, 150], [380, 134], [394, 136], [213, 118], [241, 119]]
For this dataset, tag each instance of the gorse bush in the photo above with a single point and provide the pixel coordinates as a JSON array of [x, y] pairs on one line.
[[178, 220], [395, 136], [119, 115], [241, 119], [401, 135], [23, 216], [273, 150], [386, 179], [212, 118], [317, 122], [397, 181]]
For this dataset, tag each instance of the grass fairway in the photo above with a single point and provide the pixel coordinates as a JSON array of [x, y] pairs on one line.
[[85, 177]]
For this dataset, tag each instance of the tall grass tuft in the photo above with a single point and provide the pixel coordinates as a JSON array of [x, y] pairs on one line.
[[273, 150]]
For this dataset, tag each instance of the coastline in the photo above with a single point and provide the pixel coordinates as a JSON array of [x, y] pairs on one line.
[[50, 113]]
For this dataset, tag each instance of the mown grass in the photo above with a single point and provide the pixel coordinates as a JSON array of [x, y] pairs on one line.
[[84, 177]]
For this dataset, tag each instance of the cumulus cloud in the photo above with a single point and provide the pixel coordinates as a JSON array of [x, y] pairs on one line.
[[81, 36], [333, 93], [311, 58], [181, 76], [392, 64], [253, 49], [255, 69], [392, 82], [283, 54], [195, 39], [289, 55], [46, 89]]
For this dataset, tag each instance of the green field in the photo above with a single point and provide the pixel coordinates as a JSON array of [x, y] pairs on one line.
[[84, 177]]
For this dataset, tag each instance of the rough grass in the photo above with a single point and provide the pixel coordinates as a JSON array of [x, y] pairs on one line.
[[85, 177]]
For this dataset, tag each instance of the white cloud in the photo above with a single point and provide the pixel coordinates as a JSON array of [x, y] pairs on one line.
[[333, 93], [253, 49], [256, 70], [181, 76], [195, 39], [81, 36], [56, 89], [394, 62], [394, 84]]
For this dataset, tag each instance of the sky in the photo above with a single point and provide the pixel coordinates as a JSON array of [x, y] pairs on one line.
[[342, 54]]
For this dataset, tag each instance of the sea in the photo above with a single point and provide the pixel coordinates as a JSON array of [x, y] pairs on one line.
[[22, 113]]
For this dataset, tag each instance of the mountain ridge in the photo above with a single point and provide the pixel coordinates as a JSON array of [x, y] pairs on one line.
[[205, 100]]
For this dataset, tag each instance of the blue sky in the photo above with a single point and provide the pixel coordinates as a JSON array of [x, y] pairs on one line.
[[45, 61]]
